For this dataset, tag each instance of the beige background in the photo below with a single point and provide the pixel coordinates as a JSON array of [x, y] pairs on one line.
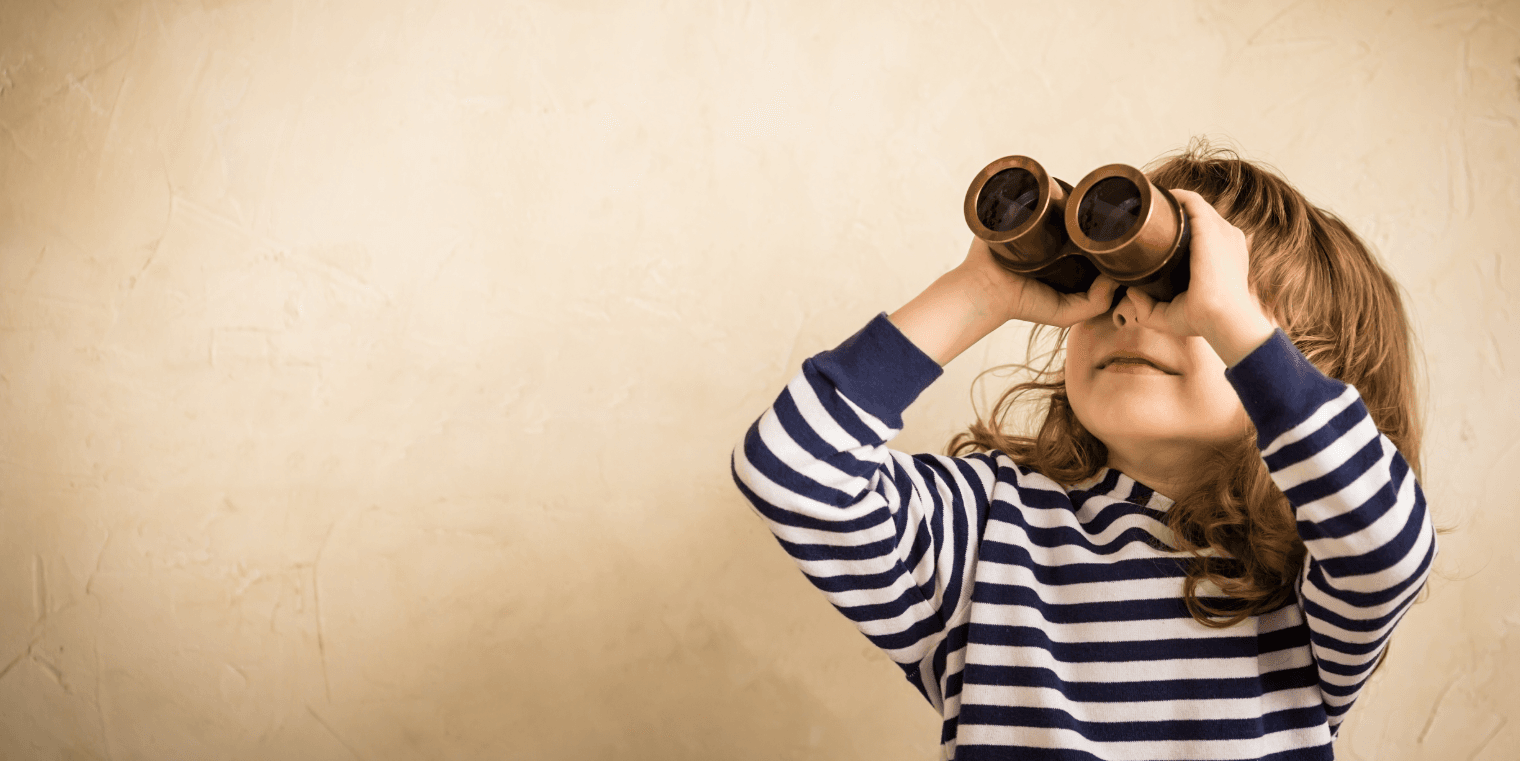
[[369, 369]]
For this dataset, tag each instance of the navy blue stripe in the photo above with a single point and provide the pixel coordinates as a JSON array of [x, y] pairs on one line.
[[915, 633], [1354, 520], [1081, 613], [1338, 479], [1140, 494], [955, 641], [1318, 440], [923, 544], [816, 552], [1356, 649], [1283, 639], [1319, 612], [964, 752], [1067, 536], [1118, 651], [801, 432], [966, 533], [855, 582], [882, 611], [1365, 514], [762, 459], [1030, 497], [1115, 511], [1359, 669], [1160, 690], [801, 520], [1388, 555], [1348, 690], [1145, 731], [1375, 599], [1104, 488], [836, 408], [1337, 711]]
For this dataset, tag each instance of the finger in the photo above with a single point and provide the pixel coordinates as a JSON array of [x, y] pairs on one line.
[[1145, 306], [1206, 219], [1170, 316], [1101, 292], [1096, 301], [1150, 313], [1195, 204]]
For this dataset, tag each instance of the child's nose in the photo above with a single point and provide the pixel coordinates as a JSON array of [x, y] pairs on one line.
[[1123, 310]]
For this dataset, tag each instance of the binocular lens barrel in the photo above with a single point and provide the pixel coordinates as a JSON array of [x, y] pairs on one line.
[[1007, 199], [1115, 221], [1109, 209]]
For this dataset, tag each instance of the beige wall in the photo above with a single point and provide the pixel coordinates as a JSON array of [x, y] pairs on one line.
[[369, 369]]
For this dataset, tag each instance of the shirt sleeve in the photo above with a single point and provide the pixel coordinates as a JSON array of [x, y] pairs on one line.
[[886, 536], [1359, 509]]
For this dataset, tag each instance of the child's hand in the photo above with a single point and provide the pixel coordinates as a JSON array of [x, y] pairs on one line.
[[1015, 297], [1218, 303], [976, 297]]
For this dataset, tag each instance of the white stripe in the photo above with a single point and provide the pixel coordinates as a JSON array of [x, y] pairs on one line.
[[818, 418], [775, 494], [1122, 671], [791, 454], [1400, 571], [1314, 422], [1357, 492], [1334, 455]]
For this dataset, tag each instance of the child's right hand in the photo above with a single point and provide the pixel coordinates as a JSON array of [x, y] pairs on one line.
[[976, 297], [1016, 297]]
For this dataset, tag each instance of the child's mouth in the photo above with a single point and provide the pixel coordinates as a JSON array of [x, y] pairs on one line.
[[1131, 366]]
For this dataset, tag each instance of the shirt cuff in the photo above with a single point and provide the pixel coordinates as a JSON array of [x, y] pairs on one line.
[[1279, 387], [879, 369]]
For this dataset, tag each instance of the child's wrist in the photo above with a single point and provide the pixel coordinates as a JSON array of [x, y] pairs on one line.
[[1237, 333], [953, 313]]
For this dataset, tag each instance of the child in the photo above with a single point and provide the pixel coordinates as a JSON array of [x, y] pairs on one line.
[[1203, 550]]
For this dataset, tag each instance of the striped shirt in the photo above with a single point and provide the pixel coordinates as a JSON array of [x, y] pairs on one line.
[[1051, 619]]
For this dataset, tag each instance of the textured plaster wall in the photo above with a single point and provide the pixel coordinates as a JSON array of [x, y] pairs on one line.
[[369, 369]]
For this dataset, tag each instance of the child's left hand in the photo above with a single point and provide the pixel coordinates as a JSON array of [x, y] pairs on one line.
[[1218, 303]]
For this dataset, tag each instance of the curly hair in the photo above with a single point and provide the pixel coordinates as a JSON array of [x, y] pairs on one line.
[[1328, 292]]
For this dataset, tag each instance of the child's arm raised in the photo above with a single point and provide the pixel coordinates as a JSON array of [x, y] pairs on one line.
[[1359, 509], [889, 537]]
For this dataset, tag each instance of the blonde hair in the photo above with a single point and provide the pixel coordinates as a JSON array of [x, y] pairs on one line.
[[1340, 308]]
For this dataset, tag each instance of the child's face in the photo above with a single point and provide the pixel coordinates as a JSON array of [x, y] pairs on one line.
[[1140, 411]]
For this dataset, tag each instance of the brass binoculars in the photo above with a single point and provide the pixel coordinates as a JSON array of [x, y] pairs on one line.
[[1115, 222]]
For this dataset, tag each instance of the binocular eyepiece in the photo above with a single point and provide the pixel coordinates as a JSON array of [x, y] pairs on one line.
[[1115, 222]]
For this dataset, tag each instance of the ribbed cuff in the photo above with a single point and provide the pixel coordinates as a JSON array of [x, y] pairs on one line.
[[879, 369], [1279, 387]]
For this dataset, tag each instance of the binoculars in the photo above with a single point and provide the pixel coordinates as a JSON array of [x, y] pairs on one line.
[[1115, 222]]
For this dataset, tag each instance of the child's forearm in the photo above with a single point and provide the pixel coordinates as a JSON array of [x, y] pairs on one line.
[[954, 312]]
